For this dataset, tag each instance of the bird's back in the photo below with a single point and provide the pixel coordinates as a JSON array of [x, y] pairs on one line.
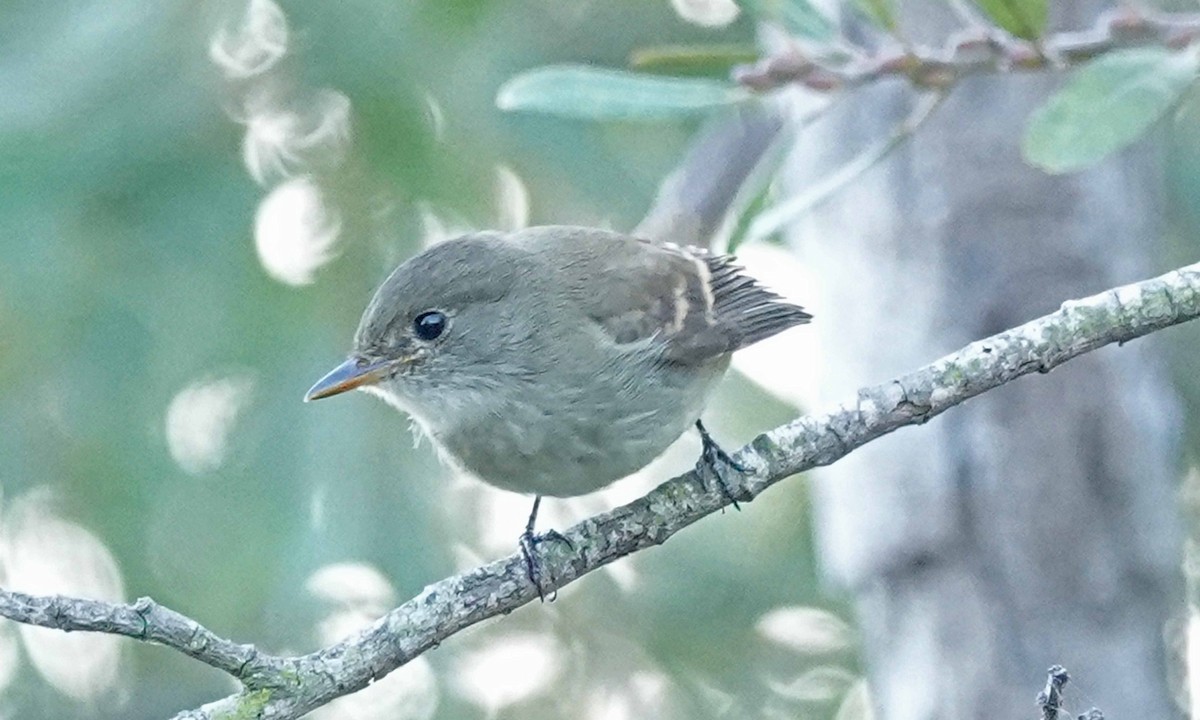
[[696, 304]]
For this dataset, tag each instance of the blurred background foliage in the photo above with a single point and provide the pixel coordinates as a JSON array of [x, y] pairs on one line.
[[187, 239], [190, 226]]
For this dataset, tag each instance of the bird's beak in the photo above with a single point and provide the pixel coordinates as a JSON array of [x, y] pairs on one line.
[[353, 373]]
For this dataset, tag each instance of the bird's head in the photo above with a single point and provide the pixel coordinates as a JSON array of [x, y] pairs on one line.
[[437, 329]]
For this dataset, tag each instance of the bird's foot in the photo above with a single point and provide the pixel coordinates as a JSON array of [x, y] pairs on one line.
[[533, 566], [712, 457]]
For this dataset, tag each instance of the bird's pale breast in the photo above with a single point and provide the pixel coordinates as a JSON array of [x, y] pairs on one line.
[[563, 441]]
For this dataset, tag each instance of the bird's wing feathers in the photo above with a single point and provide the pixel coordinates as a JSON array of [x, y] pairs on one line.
[[695, 305], [754, 312]]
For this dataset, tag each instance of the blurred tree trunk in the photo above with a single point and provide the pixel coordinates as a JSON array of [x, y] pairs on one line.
[[1036, 525]]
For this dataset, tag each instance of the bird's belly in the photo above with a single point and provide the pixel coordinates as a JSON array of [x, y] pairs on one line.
[[561, 463], [575, 448]]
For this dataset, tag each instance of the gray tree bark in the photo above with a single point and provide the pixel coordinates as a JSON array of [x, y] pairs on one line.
[[1036, 525]]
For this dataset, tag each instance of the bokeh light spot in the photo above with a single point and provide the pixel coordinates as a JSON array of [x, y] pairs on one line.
[[295, 231], [200, 420]]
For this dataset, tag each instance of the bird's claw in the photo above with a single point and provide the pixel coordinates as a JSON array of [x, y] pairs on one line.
[[533, 570], [712, 457]]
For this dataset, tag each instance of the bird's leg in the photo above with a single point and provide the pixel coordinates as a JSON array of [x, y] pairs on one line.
[[529, 542], [711, 458]]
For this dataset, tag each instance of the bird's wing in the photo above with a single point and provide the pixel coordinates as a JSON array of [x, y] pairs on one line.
[[693, 304]]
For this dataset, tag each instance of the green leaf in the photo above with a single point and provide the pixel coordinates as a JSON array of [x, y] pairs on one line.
[[880, 11], [697, 59], [798, 17], [1106, 105], [758, 204], [1023, 18], [580, 91]]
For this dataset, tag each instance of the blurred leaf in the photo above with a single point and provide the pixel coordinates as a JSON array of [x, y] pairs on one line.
[[856, 704], [1023, 18], [798, 17], [699, 59], [764, 199], [808, 630], [580, 91], [820, 684], [775, 218], [1106, 105], [758, 192], [880, 11], [512, 199]]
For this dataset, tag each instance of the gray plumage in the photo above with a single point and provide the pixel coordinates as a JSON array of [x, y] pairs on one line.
[[571, 357]]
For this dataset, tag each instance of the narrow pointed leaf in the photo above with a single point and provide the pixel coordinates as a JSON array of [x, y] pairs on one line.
[[580, 91], [1107, 105], [880, 11], [1023, 18], [693, 59]]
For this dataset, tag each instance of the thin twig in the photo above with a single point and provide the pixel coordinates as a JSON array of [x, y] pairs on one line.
[[973, 52], [144, 620]]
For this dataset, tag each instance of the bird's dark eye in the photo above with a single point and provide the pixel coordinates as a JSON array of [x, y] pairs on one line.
[[429, 325]]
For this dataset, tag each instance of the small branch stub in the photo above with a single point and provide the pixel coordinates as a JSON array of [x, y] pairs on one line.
[[1050, 699]]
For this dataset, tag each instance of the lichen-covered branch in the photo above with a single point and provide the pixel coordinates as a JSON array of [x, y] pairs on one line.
[[279, 687], [974, 52], [143, 619]]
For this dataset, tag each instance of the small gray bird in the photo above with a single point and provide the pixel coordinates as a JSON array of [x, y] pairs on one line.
[[556, 360]]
